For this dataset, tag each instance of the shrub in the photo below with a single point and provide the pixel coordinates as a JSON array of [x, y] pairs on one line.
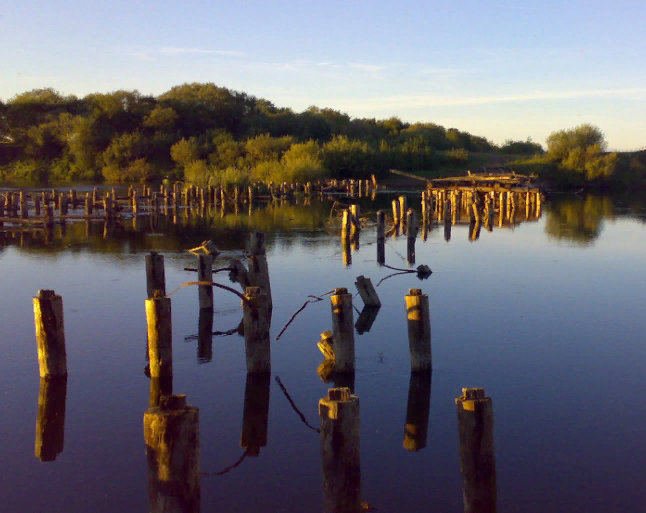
[[458, 156]]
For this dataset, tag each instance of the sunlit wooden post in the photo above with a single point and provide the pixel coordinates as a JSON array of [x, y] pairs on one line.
[[381, 237], [343, 329], [258, 266], [50, 334], [160, 336], [172, 436], [155, 274], [256, 330], [402, 208], [417, 411], [367, 291], [340, 451], [477, 454], [396, 211], [255, 416], [419, 330], [50, 422]]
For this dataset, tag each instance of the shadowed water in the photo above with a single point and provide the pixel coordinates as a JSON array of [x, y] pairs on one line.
[[547, 315]]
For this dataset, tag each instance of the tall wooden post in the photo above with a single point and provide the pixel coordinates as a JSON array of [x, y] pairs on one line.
[[477, 454], [381, 237], [50, 334], [172, 436], [256, 330], [205, 274], [419, 330], [340, 451], [155, 274], [343, 329], [417, 411], [396, 212], [255, 416], [50, 423], [258, 267], [402, 208], [160, 336]]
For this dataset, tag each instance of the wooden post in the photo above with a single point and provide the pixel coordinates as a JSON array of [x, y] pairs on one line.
[[50, 423], [172, 436], [155, 274], [257, 322], [396, 214], [342, 327], [477, 454], [107, 206], [340, 451], [411, 224], [402, 208], [417, 411], [447, 230], [258, 267], [88, 205], [381, 225], [205, 273], [24, 211], [255, 416], [205, 336], [419, 330], [160, 336], [36, 206], [135, 202], [64, 204], [355, 222], [50, 334], [367, 291]]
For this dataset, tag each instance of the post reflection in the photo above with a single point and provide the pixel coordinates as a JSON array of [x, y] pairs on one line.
[[255, 417], [50, 423], [172, 436], [417, 411], [205, 336], [340, 451]]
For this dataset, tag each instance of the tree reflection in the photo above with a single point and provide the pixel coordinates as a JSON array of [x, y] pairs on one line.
[[578, 220]]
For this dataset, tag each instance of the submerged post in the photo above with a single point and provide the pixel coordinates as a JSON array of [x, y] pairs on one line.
[[160, 336], [417, 411], [477, 455], [256, 331], [419, 330], [172, 436], [367, 291], [340, 451], [50, 334], [50, 423], [155, 274], [255, 416], [381, 225]]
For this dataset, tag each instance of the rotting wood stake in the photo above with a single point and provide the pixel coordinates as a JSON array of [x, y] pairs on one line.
[[367, 291], [256, 315], [205, 273], [343, 329], [155, 274], [160, 336], [419, 330], [50, 334]]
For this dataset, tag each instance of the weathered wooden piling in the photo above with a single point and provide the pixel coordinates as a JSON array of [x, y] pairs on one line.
[[255, 416], [402, 208], [205, 336], [257, 322], [419, 330], [417, 411], [205, 274], [396, 211], [258, 267], [367, 291], [340, 451], [342, 327], [160, 336], [50, 422], [172, 436], [477, 454], [381, 225], [50, 334], [155, 274]]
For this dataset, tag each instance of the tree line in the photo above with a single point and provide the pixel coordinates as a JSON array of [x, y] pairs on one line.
[[204, 133]]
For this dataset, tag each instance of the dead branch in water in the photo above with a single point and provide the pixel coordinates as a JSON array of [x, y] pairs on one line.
[[315, 300], [282, 387]]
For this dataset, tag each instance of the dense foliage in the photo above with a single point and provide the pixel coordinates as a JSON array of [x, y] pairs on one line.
[[209, 134], [206, 133]]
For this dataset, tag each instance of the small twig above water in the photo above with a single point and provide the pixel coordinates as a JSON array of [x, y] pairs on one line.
[[282, 387], [213, 284], [228, 469], [315, 300]]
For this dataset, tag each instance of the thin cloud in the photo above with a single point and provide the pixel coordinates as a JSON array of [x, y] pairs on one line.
[[403, 102], [370, 68], [450, 71], [174, 50]]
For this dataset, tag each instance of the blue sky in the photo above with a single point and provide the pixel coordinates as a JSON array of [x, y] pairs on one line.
[[497, 69]]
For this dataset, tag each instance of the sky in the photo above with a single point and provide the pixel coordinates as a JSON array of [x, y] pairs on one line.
[[500, 69]]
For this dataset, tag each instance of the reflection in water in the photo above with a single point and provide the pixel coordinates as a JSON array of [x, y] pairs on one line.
[[205, 336], [340, 451], [50, 423], [578, 220], [158, 388], [417, 411], [477, 454], [366, 319], [256, 413], [172, 436]]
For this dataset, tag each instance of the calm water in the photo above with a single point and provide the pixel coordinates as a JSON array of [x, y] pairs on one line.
[[547, 317]]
